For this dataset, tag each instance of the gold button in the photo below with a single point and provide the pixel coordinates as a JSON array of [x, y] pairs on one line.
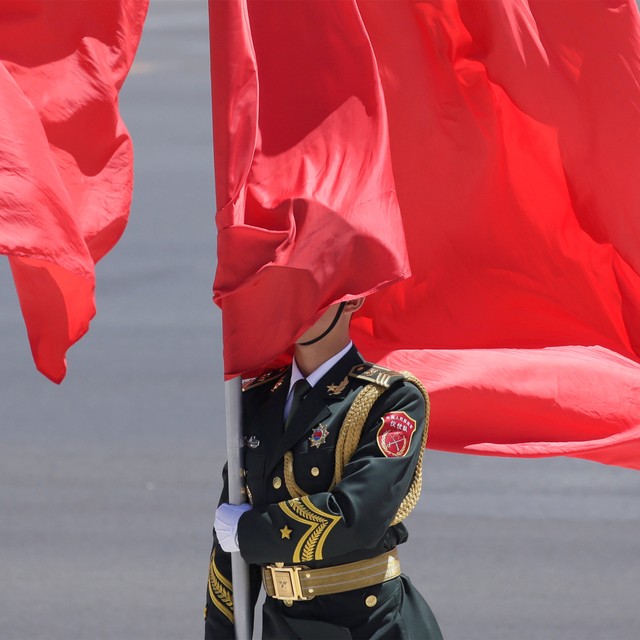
[[315, 471], [371, 601], [289, 603], [277, 482]]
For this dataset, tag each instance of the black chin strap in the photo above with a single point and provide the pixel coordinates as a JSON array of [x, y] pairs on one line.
[[333, 324]]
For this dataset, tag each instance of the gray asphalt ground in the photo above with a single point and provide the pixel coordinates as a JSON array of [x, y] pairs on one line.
[[108, 482]]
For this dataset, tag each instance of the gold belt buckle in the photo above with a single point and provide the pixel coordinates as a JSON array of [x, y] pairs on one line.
[[286, 582]]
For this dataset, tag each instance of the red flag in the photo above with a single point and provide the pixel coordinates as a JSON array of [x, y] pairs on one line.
[[307, 212], [65, 157], [514, 132]]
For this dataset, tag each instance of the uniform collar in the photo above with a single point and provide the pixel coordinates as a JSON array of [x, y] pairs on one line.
[[314, 377], [317, 403]]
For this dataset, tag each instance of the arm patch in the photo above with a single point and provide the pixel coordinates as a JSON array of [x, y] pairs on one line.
[[395, 435]]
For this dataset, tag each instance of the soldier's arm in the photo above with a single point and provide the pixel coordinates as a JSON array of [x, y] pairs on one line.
[[218, 613], [358, 511]]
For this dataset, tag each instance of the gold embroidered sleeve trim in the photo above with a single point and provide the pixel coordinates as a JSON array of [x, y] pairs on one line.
[[319, 524], [220, 589]]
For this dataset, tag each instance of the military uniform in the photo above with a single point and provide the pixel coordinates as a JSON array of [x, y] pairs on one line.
[[322, 500]]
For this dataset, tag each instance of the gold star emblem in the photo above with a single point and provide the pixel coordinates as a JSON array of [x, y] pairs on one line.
[[286, 532], [335, 389], [319, 435]]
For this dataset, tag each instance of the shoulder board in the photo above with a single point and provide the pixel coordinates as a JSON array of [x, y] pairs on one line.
[[376, 374], [269, 376]]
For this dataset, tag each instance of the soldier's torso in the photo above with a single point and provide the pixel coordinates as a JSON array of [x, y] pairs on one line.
[[311, 441], [301, 519]]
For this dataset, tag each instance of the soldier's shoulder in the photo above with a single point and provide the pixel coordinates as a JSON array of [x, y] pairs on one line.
[[274, 377], [377, 374]]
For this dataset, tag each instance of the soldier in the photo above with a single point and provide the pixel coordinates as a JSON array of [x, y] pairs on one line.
[[333, 462]]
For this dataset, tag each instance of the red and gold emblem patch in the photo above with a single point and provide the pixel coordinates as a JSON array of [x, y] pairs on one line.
[[394, 436]]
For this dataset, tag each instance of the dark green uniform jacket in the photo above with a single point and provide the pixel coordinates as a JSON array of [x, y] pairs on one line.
[[350, 522]]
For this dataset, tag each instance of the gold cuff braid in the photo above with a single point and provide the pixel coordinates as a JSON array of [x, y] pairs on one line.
[[319, 523], [220, 589]]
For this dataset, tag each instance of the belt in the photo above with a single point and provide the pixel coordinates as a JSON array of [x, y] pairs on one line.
[[297, 582]]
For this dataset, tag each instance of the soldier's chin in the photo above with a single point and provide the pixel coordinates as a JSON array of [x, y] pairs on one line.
[[305, 338]]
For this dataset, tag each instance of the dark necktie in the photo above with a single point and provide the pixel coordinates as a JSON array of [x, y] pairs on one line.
[[300, 390]]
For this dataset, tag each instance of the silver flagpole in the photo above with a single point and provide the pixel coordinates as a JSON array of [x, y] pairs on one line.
[[242, 614], [239, 568]]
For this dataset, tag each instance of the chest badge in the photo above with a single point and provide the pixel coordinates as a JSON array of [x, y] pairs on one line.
[[337, 389], [319, 435]]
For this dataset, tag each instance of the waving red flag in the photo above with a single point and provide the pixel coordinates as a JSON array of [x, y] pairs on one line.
[[515, 137], [307, 211], [66, 164], [514, 131]]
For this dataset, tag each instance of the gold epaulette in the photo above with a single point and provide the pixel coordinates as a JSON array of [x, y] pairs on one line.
[[269, 376], [376, 374]]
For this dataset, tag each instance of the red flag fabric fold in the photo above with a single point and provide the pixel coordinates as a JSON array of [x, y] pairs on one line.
[[66, 160], [515, 150], [581, 402], [302, 163], [514, 130]]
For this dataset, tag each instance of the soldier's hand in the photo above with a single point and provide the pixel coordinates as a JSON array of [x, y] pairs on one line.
[[226, 525]]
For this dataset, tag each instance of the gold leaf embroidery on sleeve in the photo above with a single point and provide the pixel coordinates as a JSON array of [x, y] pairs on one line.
[[319, 524], [220, 589]]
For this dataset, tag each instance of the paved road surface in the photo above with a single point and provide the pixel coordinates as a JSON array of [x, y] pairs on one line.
[[108, 483]]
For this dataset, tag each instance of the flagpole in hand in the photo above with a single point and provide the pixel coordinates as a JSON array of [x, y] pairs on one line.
[[237, 495]]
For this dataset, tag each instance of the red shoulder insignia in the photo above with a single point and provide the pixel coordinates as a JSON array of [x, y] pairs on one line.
[[395, 434]]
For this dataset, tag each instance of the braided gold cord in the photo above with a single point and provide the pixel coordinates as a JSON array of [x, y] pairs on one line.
[[351, 429], [413, 495], [349, 437], [289, 479]]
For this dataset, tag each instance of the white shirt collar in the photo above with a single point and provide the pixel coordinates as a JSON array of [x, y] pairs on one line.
[[313, 378]]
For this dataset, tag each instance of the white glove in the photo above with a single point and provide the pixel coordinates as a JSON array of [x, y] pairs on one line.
[[226, 524]]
